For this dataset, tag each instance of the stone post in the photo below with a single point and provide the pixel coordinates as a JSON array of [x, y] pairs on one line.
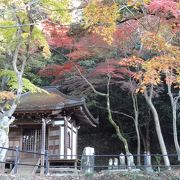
[[110, 164], [132, 164], [147, 162], [122, 161], [87, 160], [115, 165]]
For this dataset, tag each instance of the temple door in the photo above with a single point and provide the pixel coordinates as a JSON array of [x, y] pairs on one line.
[[31, 141]]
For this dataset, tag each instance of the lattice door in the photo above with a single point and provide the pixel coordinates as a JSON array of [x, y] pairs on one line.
[[31, 140]]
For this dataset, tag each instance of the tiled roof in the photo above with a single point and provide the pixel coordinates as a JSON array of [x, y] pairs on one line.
[[54, 100]]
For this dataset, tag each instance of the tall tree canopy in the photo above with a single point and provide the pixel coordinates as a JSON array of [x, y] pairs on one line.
[[129, 45], [22, 40], [136, 43]]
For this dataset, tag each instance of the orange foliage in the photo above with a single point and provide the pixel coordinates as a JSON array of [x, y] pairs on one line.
[[131, 61], [6, 95]]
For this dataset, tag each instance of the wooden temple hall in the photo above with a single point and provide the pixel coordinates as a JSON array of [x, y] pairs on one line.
[[48, 121]]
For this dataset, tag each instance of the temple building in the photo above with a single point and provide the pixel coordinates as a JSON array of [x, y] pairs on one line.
[[48, 121]]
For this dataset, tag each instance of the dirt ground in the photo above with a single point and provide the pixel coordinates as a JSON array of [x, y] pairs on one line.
[[104, 175]]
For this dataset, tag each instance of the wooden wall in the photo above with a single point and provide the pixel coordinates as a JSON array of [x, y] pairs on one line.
[[15, 138], [62, 140], [54, 140]]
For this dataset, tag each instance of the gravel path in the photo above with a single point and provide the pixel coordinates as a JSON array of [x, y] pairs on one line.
[[107, 175]]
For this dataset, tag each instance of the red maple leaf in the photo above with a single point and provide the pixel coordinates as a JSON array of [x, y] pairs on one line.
[[164, 6], [57, 35]]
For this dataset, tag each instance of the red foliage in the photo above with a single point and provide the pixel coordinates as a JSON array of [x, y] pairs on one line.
[[105, 68], [124, 31], [92, 44], [81, 53], [57, 35], [86, 46], [58, 71], [112, 67], [165, 6]]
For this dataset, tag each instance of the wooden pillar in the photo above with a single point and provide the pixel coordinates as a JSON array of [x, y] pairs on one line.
[[65, 137], [43, 140], [77, 143], [21, 141], [72, 144], [60, 142], [35, 142]]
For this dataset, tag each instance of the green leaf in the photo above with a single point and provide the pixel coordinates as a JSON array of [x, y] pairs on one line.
[[57, 10], [13, 82]]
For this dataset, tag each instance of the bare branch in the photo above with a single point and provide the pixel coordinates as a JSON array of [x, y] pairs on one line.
[[90, 84], [16, 52], [116, 112]]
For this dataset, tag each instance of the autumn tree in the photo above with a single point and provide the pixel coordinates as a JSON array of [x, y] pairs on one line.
[[106, 35], [150, 76], [164, 67], [21, 36], [91, 45], [167, 13]]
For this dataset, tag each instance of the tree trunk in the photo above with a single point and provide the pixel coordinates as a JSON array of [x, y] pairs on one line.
[[118, 132], [175, 132], [158, 128], [110, 119], [6, 117], [6, 120], [174, 114], [138, 144], [148, 151], [136, 122], [147, 138], [4, 131], [4, 140], [143, 139], [146, 144]]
